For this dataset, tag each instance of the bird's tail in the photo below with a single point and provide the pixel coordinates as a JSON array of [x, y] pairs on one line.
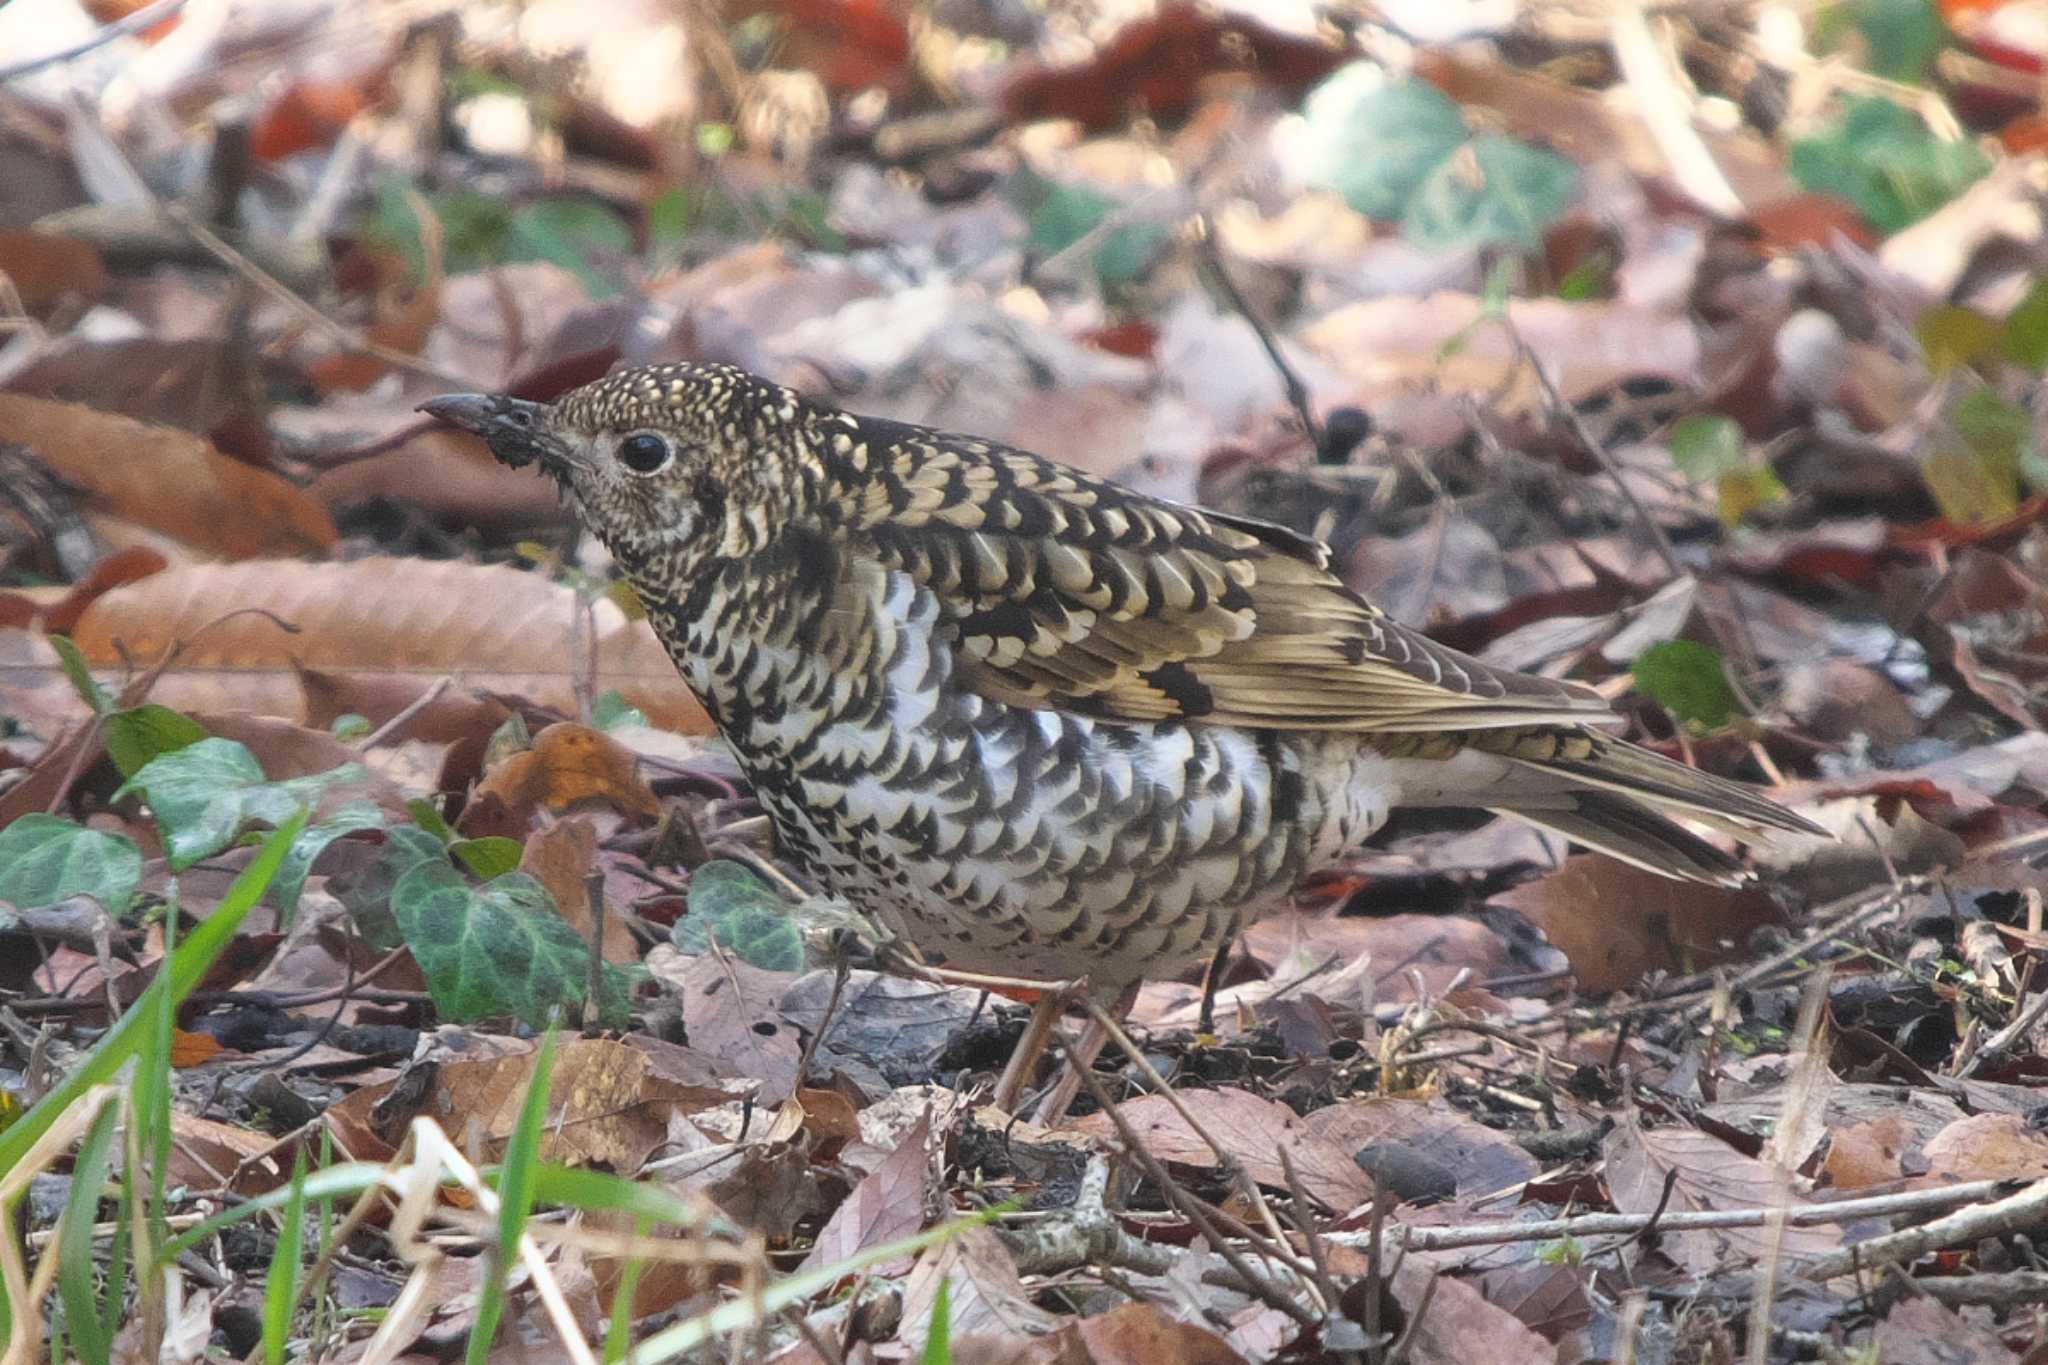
[[1619, 799]]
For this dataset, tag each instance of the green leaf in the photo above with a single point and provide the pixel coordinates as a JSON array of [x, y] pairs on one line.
[[205, 794], [1904, 36], [1687, 678], [281, 1293], [938, 1339], [1706, 445], [1592, 278], [1742, 491], [2024, 340], [499, 948], [515, 1199], [1060, 215], [489, 857], [1498, 191], [183, 970], [729, 904], [1886, 162], [352, 818], [148, 731], [1374, 142], [92, 1334], [1974, 471], [44, 859], [570, 233], [610, 710], [430, 819], [1953, 336], [80, 675], [349, 726]]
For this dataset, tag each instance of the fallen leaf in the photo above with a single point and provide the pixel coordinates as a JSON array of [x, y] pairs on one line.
[[492, 628], [1251, 1130], [168, 480], [1618, 923], [889, 1203], [568, 763]]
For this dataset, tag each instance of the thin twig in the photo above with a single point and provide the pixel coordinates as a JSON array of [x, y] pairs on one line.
[[145, 18], [1195, 1211], [1607, 1224], [1297, 391], [383, 733]]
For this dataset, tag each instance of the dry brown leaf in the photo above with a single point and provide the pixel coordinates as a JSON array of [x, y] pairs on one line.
[[569, 763], [1986, 1147], [169, 480], [491, 628], [1618, 923], [887, 1204], [733, 1013], [1706, 1174], [45, 268], [1483, 1160], [610, 1105], [560, 858], [1252, 1130], [1921, 1331]]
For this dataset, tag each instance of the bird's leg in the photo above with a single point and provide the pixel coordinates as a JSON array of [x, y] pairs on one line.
[[1080, 1057], [1025, 1056]]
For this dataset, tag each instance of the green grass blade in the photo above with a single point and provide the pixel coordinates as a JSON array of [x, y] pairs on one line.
[[515, 1199], [938, 1341], [349, 1179], [92, 1336], [281, 1294]]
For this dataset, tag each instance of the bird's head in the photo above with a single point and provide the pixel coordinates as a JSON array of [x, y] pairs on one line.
[[665, 458]]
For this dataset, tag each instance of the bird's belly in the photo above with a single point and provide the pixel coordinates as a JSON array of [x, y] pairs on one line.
[[1040, 844], [1027, 842]]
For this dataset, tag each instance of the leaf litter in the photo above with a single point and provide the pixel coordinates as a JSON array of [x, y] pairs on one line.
[[1696, 356]]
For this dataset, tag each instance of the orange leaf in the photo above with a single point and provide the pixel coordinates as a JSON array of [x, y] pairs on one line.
[[190, 1049], [569, 763], [168, 480]]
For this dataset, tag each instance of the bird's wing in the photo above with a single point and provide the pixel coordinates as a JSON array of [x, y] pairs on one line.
[[1067, 591]]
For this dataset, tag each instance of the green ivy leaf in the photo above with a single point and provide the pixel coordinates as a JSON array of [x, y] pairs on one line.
[[352, 818], [1374, 142], [149, 731], [205, 794], [729, 904], [570, 233], [1974, 471], [499, 948], [492, 856], [1497, 191], [1687, 678], [44, 859], [1904, 36], [365, 892], [610, 710], [1888, 163], [1059, 215], [1706, 445]]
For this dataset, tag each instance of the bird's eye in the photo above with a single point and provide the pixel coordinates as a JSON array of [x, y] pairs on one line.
[[644, 452]]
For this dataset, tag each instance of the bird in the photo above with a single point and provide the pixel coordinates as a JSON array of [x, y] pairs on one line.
[[1040, 724]]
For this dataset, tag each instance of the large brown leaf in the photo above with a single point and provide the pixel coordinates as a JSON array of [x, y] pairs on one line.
[[168, 480], [388, 620]]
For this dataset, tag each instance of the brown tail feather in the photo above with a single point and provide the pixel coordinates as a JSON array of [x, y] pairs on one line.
[[1623, 799], [1636, 835]]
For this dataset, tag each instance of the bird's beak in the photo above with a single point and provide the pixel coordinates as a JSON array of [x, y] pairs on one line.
[[514, 429]]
